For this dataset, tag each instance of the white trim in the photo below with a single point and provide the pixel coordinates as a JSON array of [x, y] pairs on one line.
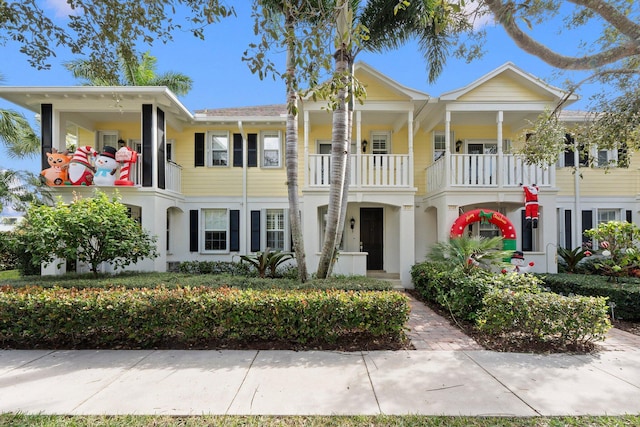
[[209, 148]]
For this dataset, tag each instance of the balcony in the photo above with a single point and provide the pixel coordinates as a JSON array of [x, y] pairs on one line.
[[486, 171], [368, 171]]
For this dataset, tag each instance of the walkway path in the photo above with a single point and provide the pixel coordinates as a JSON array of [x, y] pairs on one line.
[[430, 331]]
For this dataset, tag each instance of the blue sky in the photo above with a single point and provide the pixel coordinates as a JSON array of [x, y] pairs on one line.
[[221, 79]]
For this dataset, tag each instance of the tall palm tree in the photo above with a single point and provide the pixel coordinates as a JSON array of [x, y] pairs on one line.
[[17, 134], [132, 73], [432, 22]]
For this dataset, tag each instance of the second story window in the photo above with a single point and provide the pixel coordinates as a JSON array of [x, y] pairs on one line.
[[380, 142], [271, 149], [218, 147]]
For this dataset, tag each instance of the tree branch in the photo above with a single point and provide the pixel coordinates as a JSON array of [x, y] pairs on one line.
[[504, 14], [613, 16]]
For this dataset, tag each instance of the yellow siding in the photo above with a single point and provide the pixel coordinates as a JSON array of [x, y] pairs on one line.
[[595, 182], [376, 90], [501, 88]]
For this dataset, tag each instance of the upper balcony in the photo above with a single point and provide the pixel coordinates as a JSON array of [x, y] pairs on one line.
[[485, 171], [367, 171]]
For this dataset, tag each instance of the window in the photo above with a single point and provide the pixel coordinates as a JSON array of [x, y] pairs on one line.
[[275, 229], [380, 142], [606, 215], [607, 158], [107, 137], [271, 148], [215, 229], [439, 145], [218, 148]]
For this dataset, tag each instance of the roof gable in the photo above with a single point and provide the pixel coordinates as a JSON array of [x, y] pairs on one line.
[[381, 87], [507, 83]]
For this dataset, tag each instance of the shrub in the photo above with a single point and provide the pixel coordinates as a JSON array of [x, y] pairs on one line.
[[215, 267], [194, 317], [267, 260], [8, 257], [545, 316], [624, 296]]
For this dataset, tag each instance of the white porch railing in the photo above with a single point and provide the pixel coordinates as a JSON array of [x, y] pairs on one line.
[[172, 175], [486, 170], [367, 170]]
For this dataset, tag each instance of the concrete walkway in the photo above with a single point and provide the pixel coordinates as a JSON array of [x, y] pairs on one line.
[[457, 378]]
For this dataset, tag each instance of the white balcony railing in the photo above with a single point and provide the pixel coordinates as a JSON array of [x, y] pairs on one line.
[[486, 170], [367, 170], [172, 175]]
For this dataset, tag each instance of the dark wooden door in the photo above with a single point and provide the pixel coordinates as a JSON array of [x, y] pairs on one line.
[[371, 235]]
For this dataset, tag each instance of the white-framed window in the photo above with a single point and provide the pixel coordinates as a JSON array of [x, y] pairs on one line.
[[607, 158], [380, 142], [606, 215], [215, 228], [218, 148], [107, 138], [439, 143], [271, 149], [275, 224]]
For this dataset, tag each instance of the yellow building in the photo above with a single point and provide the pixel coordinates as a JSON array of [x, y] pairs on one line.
[[211, 185]]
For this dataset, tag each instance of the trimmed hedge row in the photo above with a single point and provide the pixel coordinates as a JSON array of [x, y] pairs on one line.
[[545, 316], [193, 317], [513, 304], [625, 295]]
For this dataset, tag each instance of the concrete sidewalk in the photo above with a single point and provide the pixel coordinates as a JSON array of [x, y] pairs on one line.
[[318, 382]]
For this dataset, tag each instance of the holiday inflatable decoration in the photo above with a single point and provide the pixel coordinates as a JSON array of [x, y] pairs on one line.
[[531, 204], [106, 167], [126, 156], [57, 173], [81, 168], [517, 260], [488, 216]]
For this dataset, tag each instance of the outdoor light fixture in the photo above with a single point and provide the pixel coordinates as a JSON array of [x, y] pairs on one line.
[[458, 145], [364, 148], [352, 221]]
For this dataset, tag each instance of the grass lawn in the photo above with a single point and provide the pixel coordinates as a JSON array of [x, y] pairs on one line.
[[312, 421]]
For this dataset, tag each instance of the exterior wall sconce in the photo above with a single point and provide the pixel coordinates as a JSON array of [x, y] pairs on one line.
[[364, 147], [352, 222], [458, 145]]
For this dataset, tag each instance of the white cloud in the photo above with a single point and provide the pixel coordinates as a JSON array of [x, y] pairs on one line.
[[60, 7]]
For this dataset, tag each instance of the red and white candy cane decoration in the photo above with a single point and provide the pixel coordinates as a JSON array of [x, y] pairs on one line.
[[126, 156]]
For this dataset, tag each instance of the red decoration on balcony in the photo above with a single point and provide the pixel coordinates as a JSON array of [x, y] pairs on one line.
[[126, 156]]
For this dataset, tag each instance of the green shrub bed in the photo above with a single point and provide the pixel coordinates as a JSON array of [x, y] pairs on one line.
[[624, 295], [201, 317], [545, 317], [513, 304]]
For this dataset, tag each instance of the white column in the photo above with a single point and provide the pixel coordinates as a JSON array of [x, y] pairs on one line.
[[409, 127], [500, 166], [576, 196], [447, 149], [407, 248], [306, 148]]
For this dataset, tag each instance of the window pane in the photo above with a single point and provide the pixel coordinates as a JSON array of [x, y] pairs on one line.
[[271, 158], [215, 229], [275, 229], [215, 240], [271, 149]]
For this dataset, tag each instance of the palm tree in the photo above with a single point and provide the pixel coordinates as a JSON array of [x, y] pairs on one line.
[[132, 73], [432, 22], [469, 252], [17, 134]]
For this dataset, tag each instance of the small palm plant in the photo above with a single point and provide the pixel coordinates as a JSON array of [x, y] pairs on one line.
[[267, 260], [572, 257], [469, 253]]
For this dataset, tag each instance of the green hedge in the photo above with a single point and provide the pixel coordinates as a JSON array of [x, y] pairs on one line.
[[545, 316], [625, 295], [193, 317]]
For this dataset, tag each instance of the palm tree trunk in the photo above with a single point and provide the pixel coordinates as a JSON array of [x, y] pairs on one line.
[[339, 151], [291, 157]]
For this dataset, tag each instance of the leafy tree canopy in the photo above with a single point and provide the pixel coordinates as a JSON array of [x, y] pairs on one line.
[[91, 230], [103, 30]]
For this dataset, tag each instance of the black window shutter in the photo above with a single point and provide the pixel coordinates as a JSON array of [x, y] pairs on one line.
[[255, 231], [587, 224], [567, 229], [252, 147], [193, 230], [237, 150], [234, 242], [527, 233], [199, 149], [629, 216], [568, 151]]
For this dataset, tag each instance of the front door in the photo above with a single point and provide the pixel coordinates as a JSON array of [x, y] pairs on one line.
[[371, 233]]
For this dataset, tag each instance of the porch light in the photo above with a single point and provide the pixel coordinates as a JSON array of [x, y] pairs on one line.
[[364, 150], [458, 145], [352, 221]]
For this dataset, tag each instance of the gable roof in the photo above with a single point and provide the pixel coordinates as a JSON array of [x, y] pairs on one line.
[[515, 73]]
